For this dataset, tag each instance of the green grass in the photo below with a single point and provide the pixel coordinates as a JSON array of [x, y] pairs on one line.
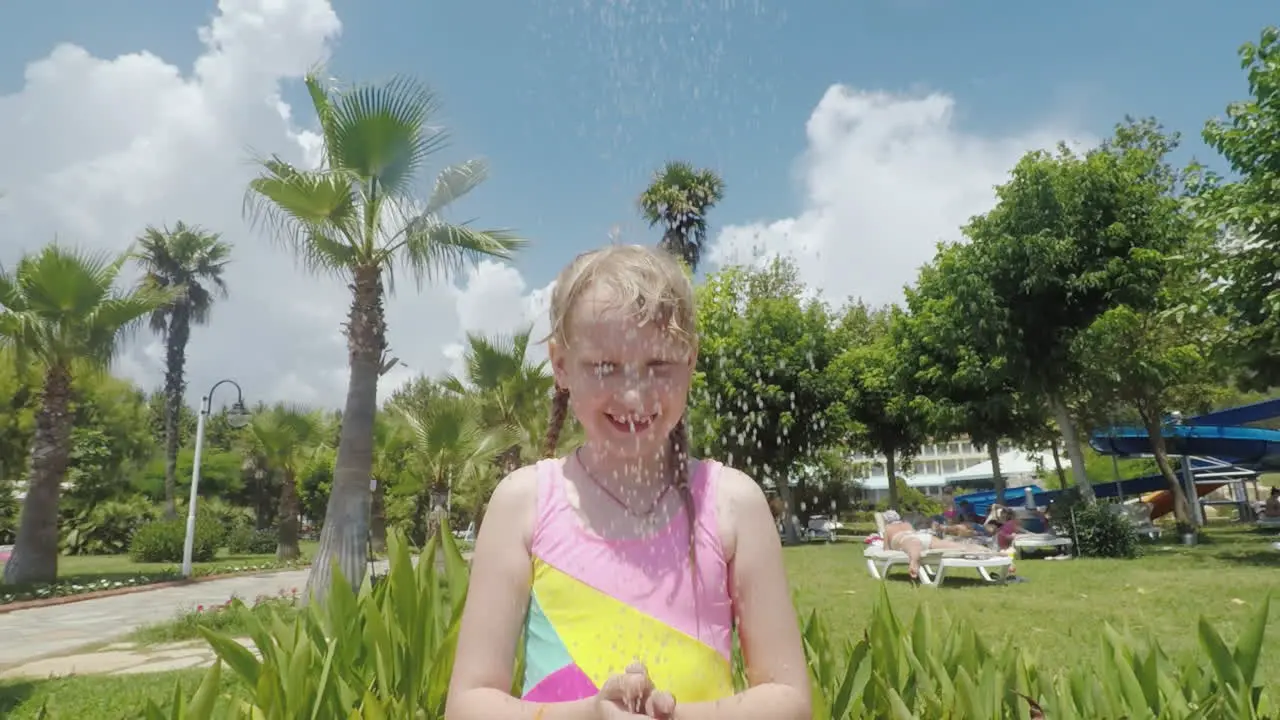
[[81, 567], [101, 697], [92, 569], [233, 620], [1057, 614]]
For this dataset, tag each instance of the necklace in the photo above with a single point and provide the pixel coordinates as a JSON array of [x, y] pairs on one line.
[[577, 454]]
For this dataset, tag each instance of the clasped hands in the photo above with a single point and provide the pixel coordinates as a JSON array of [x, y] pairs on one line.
[[632, 695]]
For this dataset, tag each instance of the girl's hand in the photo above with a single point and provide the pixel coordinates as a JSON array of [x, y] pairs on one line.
[[632, 695]]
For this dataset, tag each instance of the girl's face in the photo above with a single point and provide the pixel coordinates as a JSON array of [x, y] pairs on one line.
[[628, 383]]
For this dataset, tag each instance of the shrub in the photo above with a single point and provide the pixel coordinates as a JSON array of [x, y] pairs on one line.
[[243, 539], [161, 541], [1098, 530], [106, 528], [387, 653]]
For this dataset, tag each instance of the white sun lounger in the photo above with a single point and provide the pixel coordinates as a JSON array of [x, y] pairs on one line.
[[1036, 542], [935, 563]]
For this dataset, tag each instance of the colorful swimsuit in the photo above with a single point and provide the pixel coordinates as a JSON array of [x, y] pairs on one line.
[[598, 605]]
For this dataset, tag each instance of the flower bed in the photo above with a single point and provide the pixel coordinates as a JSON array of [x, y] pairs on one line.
[[66, 589]]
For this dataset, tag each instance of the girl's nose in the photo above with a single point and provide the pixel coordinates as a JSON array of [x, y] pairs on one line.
[[632, 398]]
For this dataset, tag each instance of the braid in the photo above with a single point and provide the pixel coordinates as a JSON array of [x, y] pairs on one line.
[[679, 459], [559, 411]]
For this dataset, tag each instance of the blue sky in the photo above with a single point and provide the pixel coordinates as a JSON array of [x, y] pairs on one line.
[[575, 103]]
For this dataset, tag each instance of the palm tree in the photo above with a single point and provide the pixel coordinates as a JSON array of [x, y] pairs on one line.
[[62, 311], [452, 446], [679, 197], [357, 217], [288, 437], [512, 391], [190, 261]]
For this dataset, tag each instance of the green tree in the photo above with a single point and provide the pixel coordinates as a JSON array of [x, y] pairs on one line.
[[512, 391], [1072, 235], [762, 396], [451, 448], [883, 412], [288, 437], [62, 311], [967, 379], [189, 261], [1162, 359], [678, 198], [358, 216], [1249, 210]]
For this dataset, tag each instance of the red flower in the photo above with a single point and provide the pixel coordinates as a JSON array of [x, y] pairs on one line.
[[199, 608]]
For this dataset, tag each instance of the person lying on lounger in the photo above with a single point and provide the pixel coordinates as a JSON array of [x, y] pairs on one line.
[[904, 537]]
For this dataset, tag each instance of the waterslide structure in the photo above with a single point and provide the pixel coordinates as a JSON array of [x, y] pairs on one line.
[[1213, 438], [1214, 446]]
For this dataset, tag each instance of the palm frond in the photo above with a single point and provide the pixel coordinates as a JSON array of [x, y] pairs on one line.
[[380, 133], [455, 181], [313, 213], [430, 248]]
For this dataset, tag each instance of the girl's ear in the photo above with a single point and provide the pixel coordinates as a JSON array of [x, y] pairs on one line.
[[557, 357]]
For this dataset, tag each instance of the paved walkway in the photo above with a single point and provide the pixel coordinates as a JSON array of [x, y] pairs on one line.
[[26, 635]]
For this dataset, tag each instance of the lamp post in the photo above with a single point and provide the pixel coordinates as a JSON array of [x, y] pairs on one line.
[[237, 417]]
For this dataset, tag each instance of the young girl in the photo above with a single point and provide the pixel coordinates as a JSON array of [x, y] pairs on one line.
[[626, 563]]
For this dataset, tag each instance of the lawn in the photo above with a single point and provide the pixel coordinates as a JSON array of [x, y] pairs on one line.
[[1057, 613], [96, 571]]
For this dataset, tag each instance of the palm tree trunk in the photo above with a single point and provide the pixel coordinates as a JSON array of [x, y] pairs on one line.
[[35, 551], [174, 387], [378, 519], [287, 542], [1068, 428], [344, 541], [1155, 433]]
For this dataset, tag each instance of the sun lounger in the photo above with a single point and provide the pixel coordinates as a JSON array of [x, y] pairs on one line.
[[934, 564], [1038, 542], [1267, 523]]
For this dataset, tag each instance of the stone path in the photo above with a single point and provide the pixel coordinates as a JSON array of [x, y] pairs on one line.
[[123, 659], [26, 635]]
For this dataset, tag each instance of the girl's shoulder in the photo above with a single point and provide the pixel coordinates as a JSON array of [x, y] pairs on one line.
[[738, 498], [513, 504]]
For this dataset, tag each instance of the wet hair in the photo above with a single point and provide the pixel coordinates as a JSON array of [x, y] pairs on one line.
[[646, 285]]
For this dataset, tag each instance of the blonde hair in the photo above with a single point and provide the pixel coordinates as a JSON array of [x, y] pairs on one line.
[[649, 286]]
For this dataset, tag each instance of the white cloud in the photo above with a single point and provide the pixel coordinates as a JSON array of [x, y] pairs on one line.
[[885, 177], [95, 149]]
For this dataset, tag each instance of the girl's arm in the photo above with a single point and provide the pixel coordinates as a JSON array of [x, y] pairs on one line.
[[768, 628], [497, 599]]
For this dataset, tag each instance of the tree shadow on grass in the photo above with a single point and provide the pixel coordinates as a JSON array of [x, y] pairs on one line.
[[1259, 558], [13, 693]]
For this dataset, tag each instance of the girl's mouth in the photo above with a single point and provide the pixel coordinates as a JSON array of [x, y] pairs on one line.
[[630, 423]]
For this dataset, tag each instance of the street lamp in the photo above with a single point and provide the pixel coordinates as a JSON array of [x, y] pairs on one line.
[[237, 417]]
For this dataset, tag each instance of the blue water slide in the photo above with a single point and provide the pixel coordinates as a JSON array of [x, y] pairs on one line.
[[1236, 445]]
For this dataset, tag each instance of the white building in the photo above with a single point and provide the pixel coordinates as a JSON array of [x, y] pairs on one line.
[[943, 458], [875, 489], [956, 462]]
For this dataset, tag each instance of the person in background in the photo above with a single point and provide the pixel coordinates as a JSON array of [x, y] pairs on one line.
[[901, 535], [1272, 507]]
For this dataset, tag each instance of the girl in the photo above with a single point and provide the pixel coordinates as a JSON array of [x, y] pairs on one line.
[[626, 562]]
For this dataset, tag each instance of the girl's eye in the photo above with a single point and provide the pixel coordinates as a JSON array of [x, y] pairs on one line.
[[605, 368]]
